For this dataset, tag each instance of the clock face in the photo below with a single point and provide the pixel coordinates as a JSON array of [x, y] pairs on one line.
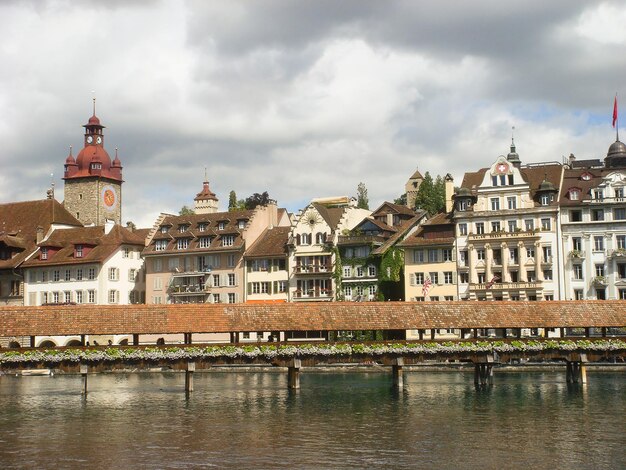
[[109, 198], [502, 168], [89, 139], [99, 140]]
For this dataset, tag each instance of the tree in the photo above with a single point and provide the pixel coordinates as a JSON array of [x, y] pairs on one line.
[[257, 200], [401, 201], [232, 201], [362, 202], [186, 211], [431, 195]]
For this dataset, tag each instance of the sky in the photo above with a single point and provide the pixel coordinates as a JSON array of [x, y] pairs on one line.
[[302, 99]]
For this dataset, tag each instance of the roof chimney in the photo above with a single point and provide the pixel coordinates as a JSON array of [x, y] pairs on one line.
[[39, 233], [449, 189]]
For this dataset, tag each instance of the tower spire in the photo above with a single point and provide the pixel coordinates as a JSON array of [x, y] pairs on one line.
[[94, 102]]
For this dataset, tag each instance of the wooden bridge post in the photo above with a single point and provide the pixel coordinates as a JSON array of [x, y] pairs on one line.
[[135, 340], [32, 341], [83, 371], [191, 367], [396, 370], [293, 374], [483, 371]]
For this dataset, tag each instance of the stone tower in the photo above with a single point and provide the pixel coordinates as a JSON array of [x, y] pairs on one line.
[[411, 187], [93, 183], [205, 201]]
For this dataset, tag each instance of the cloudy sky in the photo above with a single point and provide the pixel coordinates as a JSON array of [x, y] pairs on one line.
[[301, 98]]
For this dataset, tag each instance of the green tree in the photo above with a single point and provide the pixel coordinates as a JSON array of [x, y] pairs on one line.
[[232, 200], [186, 211], [257, 200], [401, 201], [431, 195], [362, 202]]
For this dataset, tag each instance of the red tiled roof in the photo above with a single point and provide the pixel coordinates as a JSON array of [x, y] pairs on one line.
[[217, 318], [272, 242]]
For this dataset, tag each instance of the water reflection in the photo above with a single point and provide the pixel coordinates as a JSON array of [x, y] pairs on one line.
[[336, 420]]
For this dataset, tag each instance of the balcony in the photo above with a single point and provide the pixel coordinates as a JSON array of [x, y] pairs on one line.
[[529, 234], [576, 254], [360, 239], [313, 294], [500, 286], [176, 272], [188, 290], [313, 269], [599, 281], [546, 260], [616, 254]]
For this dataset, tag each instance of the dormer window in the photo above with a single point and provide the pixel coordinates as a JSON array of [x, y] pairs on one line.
[[202, 227], [44, 253], [228, 240], [574, 194], [586, 176], [96, 166], [78, 251], [164, 229], [183, 228], [619, 194], [241, 224], [183, 244], [598, 195], [545, 199], [160, 245], [221, 225]]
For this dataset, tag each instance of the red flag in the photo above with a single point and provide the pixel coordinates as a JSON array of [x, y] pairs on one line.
[[493, 281], [615, 111], [426, 286]]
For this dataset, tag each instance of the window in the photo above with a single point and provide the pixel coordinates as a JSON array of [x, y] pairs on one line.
[[577, 243], [529, 224], [320, 238], [480, 254], [574, 194], [495, 226], [204, 242], [79, 274], [231, 298], [78, 252], [434, 277], [68, 274], [578, 294], [619, 214], [578, 272], [164, 228], [447, 277], [531, 276], [44, 253], [91, 296], [621, 241], [513, 255], [241, 224], [305, 239], [160, 245], [265, 287], [548, 297], [463, 204], [56, 275], [464, 278], [359, 271], [347, 292], [419, 279], [55, 297], [575, 216], [228, 240], [547, 254], [530, 252], [545, 199], [511, 202], [231, 280], [432, 256], [126, 253], [598, 243], [446, 254], [347, 271], [546, 224], [202, 227], [463, 258], [157, 283], [599, 268], [494, 180], [79, 297], [371, 271], [132, 275], [622, 294], [495, 203], [547, 274], [216, 298], [512, 225], [481, 278], [91, 274], [619, 194], [113, 296], [480, 228], [182, 244], [597, 214], [598, 195], [221, 225], [113, 274], [216, 280], [462, 229]]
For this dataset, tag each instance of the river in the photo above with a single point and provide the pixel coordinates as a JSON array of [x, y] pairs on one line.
[[527, 419]]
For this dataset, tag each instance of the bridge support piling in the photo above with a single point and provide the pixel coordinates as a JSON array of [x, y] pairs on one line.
[[83, 371], [32, 341], [483, 372], [191, 368], [396, 371], [576, 370], [293, 374], [135, 340]]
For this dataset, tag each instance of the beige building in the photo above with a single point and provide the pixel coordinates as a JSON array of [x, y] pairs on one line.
[[266, 274], [198, 258]]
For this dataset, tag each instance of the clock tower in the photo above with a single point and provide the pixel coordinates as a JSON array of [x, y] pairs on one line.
[[93, 183]]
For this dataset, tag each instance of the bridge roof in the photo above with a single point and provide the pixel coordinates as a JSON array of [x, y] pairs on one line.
[[220, 318]]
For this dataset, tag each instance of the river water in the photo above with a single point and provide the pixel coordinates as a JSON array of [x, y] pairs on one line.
[[531, 420]]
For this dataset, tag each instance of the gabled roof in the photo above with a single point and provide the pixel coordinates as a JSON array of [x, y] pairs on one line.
[[103, 245], [332, 215], [271, 243], [19, 222], [394, 208], [438, 230]]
